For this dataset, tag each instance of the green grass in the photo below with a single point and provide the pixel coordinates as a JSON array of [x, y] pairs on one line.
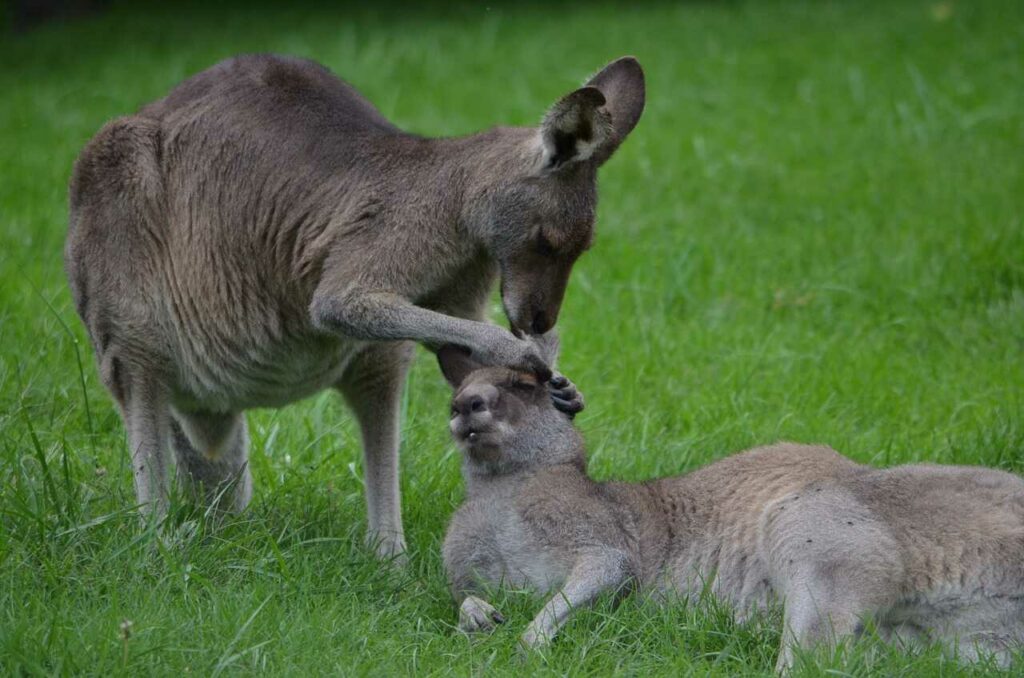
[[816, 233]]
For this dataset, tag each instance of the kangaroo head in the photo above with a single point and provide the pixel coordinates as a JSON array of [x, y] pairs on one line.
[[535, 212], [503, 420]]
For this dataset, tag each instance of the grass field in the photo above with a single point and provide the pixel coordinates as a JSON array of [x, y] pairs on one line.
[[816, 233]]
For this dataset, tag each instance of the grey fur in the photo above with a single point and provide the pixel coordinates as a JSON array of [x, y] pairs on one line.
[[263, 233], [928, 552]]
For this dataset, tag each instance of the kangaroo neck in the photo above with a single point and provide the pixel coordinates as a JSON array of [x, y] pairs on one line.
[[482, 483]]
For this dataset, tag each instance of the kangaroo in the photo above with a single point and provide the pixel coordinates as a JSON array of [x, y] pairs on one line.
[[927, 552], [263, 233]]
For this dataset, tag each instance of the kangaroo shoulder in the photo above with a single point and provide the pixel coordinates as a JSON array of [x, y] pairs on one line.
[[564, 508]]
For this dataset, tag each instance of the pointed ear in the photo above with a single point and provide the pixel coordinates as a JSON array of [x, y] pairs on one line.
[[625, 92], [595, 119], [455, 364], [574, 128], [547, 345]]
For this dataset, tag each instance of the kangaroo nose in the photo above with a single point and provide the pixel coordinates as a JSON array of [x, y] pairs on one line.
[[473, 404], [475, 401], [541, 323]]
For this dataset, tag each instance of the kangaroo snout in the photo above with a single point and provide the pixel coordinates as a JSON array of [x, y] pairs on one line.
[[473, 412], [541, 322], [533, 321], [536, 314], [532, 292]]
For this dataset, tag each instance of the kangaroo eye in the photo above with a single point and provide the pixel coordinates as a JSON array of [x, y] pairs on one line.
[[544, 245]]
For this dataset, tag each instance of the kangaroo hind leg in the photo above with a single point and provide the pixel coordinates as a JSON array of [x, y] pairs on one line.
[[146, 414], [372, 387], [212, 454]]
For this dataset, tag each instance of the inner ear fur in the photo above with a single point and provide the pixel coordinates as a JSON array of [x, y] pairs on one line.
[[591, 122], [574, 128]]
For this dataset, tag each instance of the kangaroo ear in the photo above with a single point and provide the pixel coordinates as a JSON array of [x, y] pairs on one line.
[[595, 119], [455, 364], [622, 84], [574, 128], [547, 345]]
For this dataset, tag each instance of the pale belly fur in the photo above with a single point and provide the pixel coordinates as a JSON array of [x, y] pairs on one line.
[[737, 576], [271, 375]]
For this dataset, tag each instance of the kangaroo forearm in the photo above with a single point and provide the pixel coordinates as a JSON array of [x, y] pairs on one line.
[[383, 316], [591, 577], [464, 585]]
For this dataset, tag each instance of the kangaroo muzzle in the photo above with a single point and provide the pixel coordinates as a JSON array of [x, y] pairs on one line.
[[473, 413]]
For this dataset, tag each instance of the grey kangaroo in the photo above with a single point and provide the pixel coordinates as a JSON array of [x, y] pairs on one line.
[[263, 233], [927, 552]]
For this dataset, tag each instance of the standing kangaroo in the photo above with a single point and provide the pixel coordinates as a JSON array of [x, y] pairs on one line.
[[928, 552], [263, 233]]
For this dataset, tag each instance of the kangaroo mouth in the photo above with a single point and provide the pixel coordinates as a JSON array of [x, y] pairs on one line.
[[475, 436], [481, 444]]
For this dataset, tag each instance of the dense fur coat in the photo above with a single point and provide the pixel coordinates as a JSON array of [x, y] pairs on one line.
[[927, 552], [263, 233]]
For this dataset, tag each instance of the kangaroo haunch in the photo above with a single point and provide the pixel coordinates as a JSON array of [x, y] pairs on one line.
[[263, 232]]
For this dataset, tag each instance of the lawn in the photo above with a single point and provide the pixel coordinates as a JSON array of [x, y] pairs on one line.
[[816, 233]]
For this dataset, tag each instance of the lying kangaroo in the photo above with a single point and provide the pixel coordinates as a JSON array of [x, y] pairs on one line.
[[928, 552], [263, 233]]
